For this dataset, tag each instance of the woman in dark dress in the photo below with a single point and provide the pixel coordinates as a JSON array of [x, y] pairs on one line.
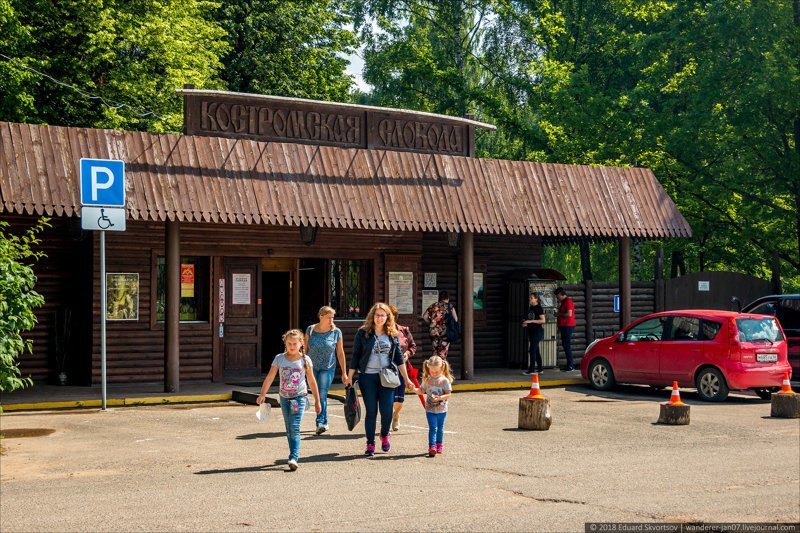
[[535, 326]]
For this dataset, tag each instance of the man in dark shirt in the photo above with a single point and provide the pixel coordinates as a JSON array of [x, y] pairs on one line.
[[535, 326]]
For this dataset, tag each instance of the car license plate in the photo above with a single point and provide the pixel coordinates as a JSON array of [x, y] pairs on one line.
[[767, 357]]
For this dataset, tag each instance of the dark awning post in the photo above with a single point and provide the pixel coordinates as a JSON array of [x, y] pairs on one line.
[[173, 302], [624, 281], [467, 270]]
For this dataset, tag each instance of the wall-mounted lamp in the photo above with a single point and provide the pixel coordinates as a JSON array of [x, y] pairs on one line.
[[308, 234], [452, 238]]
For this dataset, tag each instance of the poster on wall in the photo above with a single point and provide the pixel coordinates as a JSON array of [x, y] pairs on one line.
[[240, 289], [429, 298], [401, 292], [187, 281], [545, 290], [477, 291], [122, 296]]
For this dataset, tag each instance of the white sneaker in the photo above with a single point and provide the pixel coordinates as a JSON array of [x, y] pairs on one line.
[[321, 429], [292, 465]]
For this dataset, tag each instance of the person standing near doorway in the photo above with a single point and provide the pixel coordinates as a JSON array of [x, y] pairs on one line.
[[435, 316], [535, 327], [566, 324], [325, 346]]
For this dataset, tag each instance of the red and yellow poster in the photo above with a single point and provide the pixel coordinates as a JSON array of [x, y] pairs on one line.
[[187, 281]]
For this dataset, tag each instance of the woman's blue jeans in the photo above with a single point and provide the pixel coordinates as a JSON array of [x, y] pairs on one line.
[[324, 379], [435, 427], [376, 398], [292, 422]]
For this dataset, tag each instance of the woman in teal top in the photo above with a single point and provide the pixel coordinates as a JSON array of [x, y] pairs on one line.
[[324, 344]]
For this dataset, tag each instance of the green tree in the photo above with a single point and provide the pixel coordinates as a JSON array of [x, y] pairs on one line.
[[118, 62], [18, 299], [292, 48]]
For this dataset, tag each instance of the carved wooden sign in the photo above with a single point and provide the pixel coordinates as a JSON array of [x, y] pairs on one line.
[[325, 124]]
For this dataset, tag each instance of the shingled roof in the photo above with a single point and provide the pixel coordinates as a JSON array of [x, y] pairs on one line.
[[236, 181]]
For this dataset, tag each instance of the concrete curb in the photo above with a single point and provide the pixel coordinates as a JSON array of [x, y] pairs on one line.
[[249, 397], [117, 402]]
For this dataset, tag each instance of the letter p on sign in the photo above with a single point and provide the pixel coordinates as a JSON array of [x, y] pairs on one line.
[[103, 182]]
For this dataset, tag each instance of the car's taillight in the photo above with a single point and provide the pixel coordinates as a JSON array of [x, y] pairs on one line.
[[734, 348]]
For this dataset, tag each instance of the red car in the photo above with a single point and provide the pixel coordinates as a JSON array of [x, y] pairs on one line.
[[786, 308], [716, 351]]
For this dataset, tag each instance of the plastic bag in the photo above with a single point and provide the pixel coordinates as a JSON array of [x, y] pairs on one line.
[[263, 412], [352, 408]]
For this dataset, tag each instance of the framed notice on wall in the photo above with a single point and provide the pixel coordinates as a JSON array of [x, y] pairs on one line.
[[240, 289], [122, 296], [429, 298], [401, 292], [477, 291]]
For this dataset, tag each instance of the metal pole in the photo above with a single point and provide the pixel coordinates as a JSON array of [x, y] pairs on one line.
[[103, 316]]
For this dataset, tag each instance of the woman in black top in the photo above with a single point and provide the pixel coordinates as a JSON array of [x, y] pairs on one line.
[[376, 346], [535, 325]]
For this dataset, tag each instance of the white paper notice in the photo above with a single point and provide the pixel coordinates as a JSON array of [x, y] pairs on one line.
[[401, 292], [241, 289]]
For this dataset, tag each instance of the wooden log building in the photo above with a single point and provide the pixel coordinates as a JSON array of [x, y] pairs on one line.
[[268, 208]]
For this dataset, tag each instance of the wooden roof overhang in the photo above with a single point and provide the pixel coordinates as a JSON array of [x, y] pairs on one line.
[[201, 178]]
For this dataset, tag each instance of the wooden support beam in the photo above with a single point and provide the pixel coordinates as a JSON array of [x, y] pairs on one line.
[[172, 319]]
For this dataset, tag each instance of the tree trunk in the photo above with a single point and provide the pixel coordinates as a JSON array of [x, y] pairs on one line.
[[674, 415], [534, 414], [785, 405]]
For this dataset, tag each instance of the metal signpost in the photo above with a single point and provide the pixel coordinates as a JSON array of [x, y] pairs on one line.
[[103, 209]]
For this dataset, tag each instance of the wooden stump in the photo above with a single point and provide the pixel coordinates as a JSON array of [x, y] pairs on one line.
[[674, 415], [534, 414], [786, 405]]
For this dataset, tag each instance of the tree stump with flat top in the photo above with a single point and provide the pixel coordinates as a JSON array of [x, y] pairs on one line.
[[674, 415], [534, 414], [785, 405]]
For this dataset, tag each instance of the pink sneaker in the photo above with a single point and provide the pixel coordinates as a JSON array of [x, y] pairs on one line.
[[439, 448], [385, 446], [432, 451], [370, 451]]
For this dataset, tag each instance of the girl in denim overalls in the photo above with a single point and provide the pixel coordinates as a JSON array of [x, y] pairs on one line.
[[297, 376]]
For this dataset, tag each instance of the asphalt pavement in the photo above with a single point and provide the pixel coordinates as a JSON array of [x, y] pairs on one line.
[[214, 467]]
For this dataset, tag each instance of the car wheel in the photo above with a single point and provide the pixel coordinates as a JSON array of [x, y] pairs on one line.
[[765, 394], [601, 377], [711, 385]]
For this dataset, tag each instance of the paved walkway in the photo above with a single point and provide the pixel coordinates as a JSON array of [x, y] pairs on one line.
[[45, 397]]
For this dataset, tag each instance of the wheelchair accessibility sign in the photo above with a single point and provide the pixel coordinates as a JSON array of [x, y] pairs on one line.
[[103, 218], [103, 182]]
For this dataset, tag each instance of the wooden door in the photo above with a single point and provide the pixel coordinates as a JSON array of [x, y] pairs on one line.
[[241, 340]]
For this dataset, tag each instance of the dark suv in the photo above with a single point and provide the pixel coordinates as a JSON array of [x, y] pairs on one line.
[[786, 308]]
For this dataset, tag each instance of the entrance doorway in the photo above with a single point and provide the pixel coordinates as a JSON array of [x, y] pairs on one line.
[[276, 313]]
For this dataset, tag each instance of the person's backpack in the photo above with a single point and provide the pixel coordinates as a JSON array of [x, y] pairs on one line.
[[453, 331], [352, 408]]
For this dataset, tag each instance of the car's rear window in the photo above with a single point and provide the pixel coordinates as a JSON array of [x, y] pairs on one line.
[[758, 329]]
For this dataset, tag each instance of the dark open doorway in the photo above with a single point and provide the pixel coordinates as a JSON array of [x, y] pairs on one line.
[[312, 290], [276, 312]]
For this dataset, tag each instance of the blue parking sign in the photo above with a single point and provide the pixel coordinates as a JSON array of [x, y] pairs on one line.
[[616, 303], [103, 182]]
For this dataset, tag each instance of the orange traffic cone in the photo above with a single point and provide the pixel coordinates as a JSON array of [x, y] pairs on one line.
[[535, 393], [786, 386], [675, 397]]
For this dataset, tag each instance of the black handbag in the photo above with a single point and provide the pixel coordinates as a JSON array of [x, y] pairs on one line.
[[352, 407], [453, 328]]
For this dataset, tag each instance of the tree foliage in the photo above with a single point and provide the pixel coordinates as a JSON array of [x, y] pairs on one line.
[[18, 300], [289, 48], [704, 93], [124, 59]]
